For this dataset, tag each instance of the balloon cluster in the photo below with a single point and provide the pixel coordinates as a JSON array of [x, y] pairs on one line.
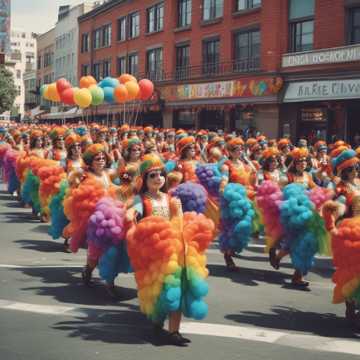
[[193, 196], [9, 165], [268, 198], [209, 176], [346, 250], [297, 215], [79, 205], [110, 90], [319, 196], [58, 219], [237, 216], [106, 225]]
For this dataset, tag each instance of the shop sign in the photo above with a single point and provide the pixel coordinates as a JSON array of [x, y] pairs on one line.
[[221, 89], [329, 56], [323, 90]]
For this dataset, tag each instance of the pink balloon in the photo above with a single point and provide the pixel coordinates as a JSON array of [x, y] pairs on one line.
[[146, 89]]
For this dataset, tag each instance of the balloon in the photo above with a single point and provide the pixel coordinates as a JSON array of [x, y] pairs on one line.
[[121, 94], [97, 94], [146, 89], [67, 96], [62, 84], [133, 89], [84, 82], [53, 93], [43, 89], [91, 80], [109, 94], [109, 82], [124, 78], [83, 98]]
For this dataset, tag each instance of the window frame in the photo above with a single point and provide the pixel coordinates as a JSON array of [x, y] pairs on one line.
[[180, 15], [157, 68], [214, 66], [119, 27], [350, 25], [128, 68], [249, 5], [158, 19], [293, 34], [130, 16], [120, 58], [212, 10], [182, 72]]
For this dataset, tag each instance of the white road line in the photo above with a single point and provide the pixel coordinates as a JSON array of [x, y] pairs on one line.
[[256, 334]]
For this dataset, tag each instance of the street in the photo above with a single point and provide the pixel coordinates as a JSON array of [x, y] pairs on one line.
[[47, 314]]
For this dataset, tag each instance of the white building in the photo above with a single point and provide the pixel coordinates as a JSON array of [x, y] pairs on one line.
[[21, 60], [67, 41]]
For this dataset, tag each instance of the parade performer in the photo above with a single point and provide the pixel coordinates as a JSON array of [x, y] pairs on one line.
[[167, 252], [58, 151], [36, 144], [187, 159], [342, 219], [73, 160]]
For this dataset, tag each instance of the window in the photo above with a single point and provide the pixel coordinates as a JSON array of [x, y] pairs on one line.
[[18, 74], [212, 9], [182, 62], [184, 13], [133, 63], [247, 4], [85, 43], [155, 18], [106, 68], [354, 23], [106, 36], [97, 71], [211, 56], [121, 29], [301, 18], [48, 59], [121, 65], [247, 50], [155, 64], [97, 39], [134, 25], [85, 70]]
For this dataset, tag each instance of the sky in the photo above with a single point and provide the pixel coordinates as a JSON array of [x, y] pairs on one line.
[[37, 16]]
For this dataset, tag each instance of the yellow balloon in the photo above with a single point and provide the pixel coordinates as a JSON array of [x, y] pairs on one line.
[[133, 90], [53, 93], [82, 98], [46, 93]]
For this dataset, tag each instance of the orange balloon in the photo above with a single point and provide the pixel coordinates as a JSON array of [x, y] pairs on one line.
[[84, 82], [133, 89], [124, 78], [92, 80], [53, 93], [121, 94]]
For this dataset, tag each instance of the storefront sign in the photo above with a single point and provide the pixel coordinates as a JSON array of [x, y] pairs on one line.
[[323, 90], [330, 56], [221, 89]]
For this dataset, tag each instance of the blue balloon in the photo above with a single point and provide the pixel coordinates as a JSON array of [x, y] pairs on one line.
[[109, 94], [109, 82]]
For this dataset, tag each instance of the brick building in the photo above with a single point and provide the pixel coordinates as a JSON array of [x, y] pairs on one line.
[[224, 63]]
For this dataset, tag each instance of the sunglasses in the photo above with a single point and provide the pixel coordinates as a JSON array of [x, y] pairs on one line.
[[99, 158], [155, 174]]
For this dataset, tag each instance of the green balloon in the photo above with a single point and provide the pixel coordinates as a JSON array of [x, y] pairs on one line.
[[42, 89], [97, 94]]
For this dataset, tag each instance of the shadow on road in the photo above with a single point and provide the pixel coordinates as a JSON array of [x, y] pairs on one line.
[[20, 218], [43, 229], [120, 327], [291, 319], [249, 277], [44, 246], [66, 286]]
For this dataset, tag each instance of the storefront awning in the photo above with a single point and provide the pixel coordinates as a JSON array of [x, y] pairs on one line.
[[72, 113], [322, 90], [224, 101]]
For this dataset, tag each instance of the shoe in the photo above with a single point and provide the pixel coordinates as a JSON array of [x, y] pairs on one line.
[[86, 276], [186, 340], [230, 265], [112, 291], [300, 283], [67, 247], [176, 339], [274, 261]]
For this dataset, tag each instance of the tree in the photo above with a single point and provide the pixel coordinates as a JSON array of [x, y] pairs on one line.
[[8, 90]]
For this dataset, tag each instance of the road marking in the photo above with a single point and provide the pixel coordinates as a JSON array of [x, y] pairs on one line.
[[256, 334]]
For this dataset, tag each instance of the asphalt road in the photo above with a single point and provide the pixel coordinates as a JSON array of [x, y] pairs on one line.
[[47, 314]]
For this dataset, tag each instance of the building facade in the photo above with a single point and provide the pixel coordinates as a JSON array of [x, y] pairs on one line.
[[21, 60], [67, 41], [232, 64]]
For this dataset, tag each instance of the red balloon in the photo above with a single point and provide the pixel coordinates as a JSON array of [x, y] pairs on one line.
[[67, 96], [62, 84], [146, 89]]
